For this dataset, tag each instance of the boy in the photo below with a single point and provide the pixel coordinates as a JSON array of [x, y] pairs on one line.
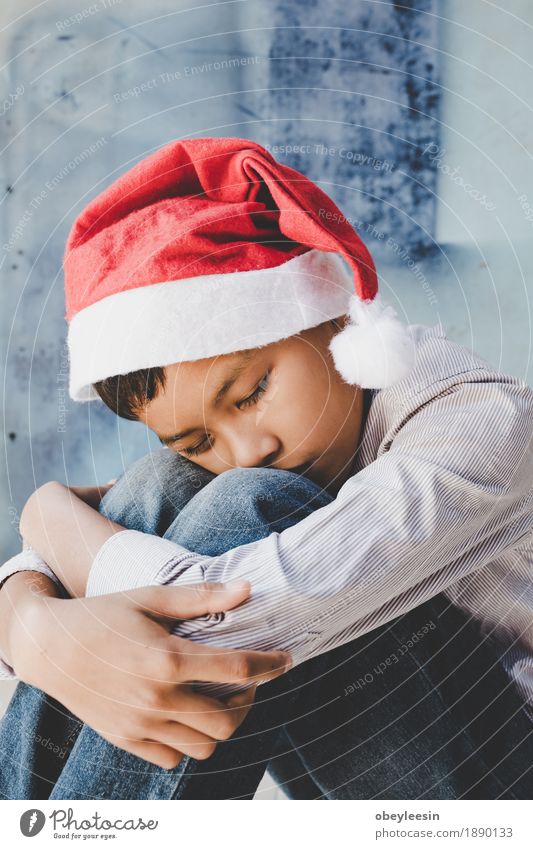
[[206, 300]]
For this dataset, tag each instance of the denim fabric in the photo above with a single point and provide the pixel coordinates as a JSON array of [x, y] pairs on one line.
[[389, 715]]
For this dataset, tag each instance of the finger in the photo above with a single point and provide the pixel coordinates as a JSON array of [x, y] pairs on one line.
[[241, 703], [191, 600], [245, 698], [198, 662], [182, 738], [216, 718], [156, 753]]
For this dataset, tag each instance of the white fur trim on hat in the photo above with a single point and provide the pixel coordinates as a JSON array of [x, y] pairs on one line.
[[375, 349], [199, 317]]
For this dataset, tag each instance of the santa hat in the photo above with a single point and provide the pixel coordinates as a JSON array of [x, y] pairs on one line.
[[209, 246]]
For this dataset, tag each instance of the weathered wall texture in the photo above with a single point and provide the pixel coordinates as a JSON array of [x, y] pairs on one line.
[[356, 85]]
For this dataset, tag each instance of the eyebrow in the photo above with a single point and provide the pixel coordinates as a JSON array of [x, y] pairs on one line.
[[232, 376]]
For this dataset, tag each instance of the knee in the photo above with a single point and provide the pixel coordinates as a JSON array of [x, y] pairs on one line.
[[137, 487], [259, 491], [152, 472], [153, 490], [242, 505], [237, 507], [249, 482]]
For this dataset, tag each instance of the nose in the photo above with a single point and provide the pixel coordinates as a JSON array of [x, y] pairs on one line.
[[254, 448]]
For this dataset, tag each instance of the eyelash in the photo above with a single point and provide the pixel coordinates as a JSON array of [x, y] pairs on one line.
[[252, 399], [259, 390]]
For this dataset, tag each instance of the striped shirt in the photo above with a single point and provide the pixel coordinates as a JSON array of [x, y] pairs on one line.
[[440, 501]]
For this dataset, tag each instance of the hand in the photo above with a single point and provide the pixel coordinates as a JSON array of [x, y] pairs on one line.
[[92, 495], [112, 661]]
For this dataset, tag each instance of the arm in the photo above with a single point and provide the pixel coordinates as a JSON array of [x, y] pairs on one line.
[[18, 594], [60, 524], [31, 568], [453, 491], [112, 662], [29, 560]]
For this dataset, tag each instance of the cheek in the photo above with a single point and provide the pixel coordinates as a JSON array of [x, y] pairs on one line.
[[319, 408], [313, 391], [300, 412]]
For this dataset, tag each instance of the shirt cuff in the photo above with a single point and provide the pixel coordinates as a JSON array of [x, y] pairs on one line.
[[27, 561], [131, 559]]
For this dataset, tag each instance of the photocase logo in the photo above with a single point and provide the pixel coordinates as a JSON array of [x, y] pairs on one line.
[[32, 822]]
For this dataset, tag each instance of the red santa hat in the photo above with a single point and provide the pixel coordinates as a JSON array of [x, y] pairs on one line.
[[209, 246]]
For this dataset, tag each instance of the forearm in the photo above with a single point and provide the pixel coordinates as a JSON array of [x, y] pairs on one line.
[[17, 594], [66, 532]]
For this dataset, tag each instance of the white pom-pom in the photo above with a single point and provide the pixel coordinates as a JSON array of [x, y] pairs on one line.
[[375, 349]]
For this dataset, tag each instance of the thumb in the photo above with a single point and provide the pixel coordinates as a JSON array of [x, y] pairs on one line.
[[188, 601]]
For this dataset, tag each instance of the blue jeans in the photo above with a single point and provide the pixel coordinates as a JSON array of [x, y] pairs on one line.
[[440, 721]]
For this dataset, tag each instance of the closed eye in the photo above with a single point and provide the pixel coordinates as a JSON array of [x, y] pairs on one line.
[[202, 446], [259, 390], [249, 401]]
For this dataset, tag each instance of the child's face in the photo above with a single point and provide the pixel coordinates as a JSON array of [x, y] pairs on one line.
[[283, 405]]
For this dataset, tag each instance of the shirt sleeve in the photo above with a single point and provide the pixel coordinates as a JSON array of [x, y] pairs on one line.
[[27, 561], [452, 491]]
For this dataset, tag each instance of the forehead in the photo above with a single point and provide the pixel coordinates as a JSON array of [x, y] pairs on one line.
[[191, 386], [202, 375]]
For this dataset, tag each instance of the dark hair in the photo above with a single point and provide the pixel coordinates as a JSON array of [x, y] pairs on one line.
[[126, 394]]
